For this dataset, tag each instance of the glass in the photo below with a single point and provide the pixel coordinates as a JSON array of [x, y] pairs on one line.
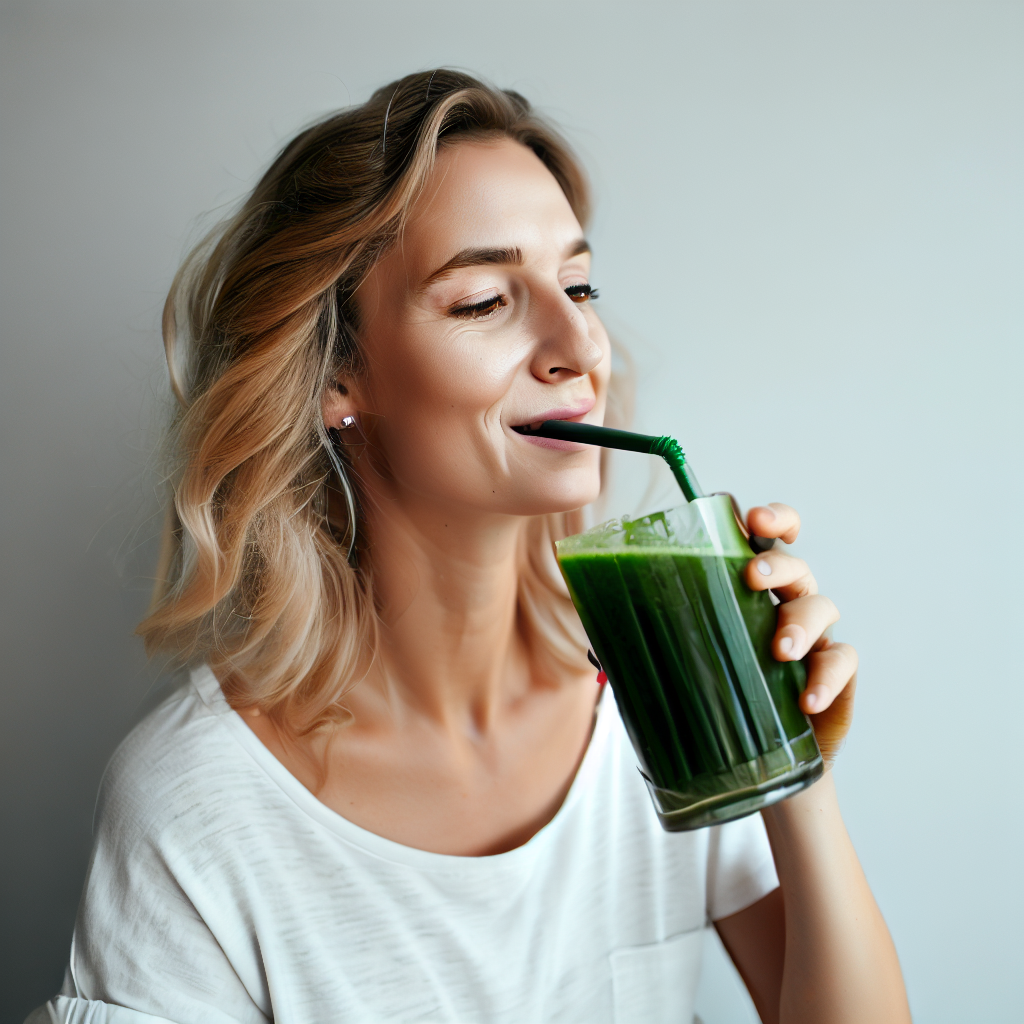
[[686, 645]]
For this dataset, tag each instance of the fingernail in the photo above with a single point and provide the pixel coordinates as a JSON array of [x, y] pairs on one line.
[[810, 702], [764, 568], [769, 510], [786, 644]]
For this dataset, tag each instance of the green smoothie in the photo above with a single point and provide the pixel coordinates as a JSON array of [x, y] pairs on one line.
[[686, 646]]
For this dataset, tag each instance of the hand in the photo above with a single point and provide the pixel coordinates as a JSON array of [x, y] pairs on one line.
[[805, 620]]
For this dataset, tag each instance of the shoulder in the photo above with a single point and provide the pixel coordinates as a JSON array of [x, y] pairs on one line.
[[179, 768], [167, 914]]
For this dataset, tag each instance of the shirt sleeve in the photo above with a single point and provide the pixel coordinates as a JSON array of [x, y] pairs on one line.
[[141, 946], [741, 869], [162, 933], [70, 1010]]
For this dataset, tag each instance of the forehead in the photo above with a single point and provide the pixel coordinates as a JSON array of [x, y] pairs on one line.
[[487, 194]]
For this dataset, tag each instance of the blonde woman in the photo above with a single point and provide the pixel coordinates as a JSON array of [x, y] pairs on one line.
[[391, 789]]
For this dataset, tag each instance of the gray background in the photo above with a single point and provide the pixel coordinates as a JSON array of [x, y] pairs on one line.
[[809, 229]]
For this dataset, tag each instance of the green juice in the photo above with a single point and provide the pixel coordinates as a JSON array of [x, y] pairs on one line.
[[686, 646]]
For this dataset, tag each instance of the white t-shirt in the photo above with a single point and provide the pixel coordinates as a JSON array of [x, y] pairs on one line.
[[220, 889]]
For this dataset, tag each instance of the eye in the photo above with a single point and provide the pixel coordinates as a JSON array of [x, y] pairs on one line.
[[479, 310], [580, 293]]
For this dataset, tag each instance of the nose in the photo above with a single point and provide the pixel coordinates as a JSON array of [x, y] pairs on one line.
[[565, 349]]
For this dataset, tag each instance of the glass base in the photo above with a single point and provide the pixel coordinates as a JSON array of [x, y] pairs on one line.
[[714, 800]]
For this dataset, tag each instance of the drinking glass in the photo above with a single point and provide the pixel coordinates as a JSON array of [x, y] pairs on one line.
[[686, 646]]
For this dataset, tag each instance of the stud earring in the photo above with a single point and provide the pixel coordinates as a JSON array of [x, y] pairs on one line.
[[348, 423]]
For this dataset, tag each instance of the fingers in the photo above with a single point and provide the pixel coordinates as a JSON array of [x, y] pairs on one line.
[[774, 520], [789, 577], [804, 620], [801, 624], [829, 672], [832, 725]]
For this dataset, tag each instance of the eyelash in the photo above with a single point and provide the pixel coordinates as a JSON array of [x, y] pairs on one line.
[[478, 310], [579, 293]]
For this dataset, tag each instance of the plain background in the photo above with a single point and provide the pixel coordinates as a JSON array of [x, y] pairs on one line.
[[809, 230]]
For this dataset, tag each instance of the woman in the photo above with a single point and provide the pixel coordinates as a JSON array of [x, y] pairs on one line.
[[392, 790]]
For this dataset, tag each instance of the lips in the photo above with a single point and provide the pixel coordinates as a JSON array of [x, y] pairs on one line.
[[571, 414]]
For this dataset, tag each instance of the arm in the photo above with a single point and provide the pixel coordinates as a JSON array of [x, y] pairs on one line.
[[817, 949]]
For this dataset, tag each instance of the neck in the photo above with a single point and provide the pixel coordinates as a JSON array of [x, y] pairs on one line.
[[446, 585]]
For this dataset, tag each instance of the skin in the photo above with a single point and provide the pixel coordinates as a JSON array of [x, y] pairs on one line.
[[459, 743]]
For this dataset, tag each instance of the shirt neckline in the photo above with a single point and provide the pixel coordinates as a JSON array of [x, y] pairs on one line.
[[208, 689]]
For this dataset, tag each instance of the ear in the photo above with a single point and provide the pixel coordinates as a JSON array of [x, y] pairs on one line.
[[340, 400]]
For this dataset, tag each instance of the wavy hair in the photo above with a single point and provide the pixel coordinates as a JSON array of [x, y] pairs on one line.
[[254, 576]]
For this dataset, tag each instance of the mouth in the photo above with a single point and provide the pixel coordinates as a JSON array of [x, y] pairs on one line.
[[571, 415]]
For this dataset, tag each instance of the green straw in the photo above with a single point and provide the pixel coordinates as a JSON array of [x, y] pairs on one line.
[[625, 440]]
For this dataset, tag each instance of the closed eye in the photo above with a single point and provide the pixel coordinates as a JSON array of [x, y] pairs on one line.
[[479, 310], [581, 293]]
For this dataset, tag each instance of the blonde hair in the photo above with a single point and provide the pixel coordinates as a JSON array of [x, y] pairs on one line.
[[260, 319]]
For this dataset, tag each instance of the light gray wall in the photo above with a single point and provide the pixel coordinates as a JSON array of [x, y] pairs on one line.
[[809, 226]]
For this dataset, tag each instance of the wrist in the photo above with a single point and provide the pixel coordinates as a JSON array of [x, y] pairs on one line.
[[809, 817]]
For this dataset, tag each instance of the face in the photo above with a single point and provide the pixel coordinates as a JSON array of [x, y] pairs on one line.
[[479, 321]]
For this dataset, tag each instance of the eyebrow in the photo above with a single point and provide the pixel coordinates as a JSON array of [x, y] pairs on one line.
[[476, 258], [486, 257]]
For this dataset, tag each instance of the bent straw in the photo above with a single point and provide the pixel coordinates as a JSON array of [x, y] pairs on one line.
[[625, 440]]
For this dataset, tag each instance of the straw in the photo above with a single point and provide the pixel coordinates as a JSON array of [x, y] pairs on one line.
[[625, 440]]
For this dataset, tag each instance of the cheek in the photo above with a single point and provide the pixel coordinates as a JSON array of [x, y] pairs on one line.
[[601, 375], [453, 382], [437, 401]]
